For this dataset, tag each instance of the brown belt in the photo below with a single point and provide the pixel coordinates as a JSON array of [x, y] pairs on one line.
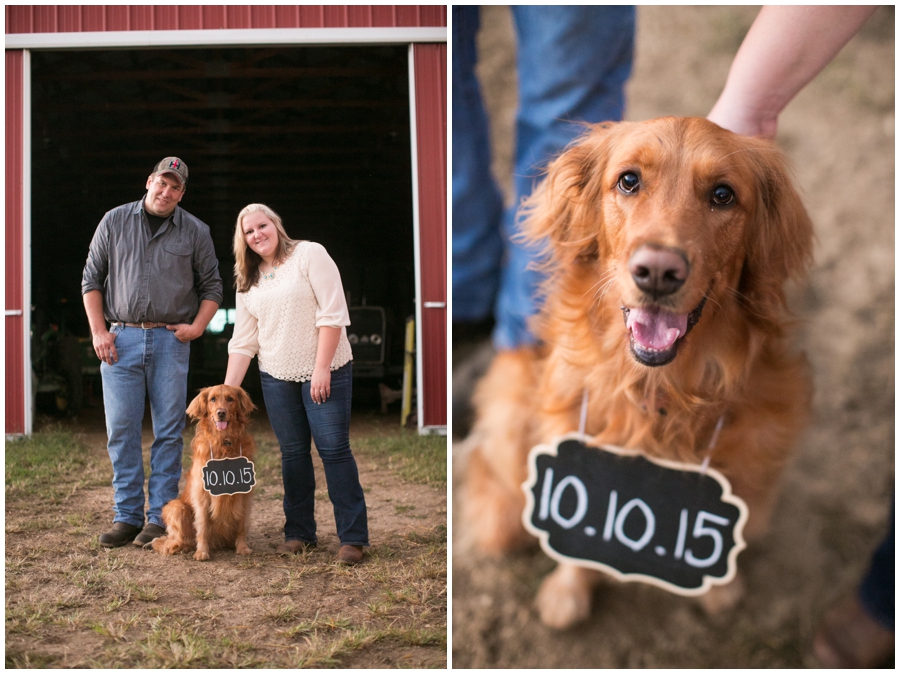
[[145, 325]]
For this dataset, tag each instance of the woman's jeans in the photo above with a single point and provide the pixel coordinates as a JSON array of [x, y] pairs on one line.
[[152, 364], [296, 420]]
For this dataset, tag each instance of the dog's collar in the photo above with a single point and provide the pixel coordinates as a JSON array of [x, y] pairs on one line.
[[212, 456], [713, 441]]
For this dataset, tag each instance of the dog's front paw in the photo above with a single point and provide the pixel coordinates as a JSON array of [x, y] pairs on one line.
[[201, 555], [165, 545], [243, 549], [722, 598], [565, 596]]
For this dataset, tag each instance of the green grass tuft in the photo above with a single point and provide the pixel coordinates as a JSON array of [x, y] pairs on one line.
[[49, 464], [415, 458]]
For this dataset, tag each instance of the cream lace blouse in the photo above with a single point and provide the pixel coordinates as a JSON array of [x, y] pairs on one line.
[[279, 317]]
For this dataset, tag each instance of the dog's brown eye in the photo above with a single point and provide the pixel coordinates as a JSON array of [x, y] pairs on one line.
[[230, 399], [629, 183], [213, 399], [723, 195]]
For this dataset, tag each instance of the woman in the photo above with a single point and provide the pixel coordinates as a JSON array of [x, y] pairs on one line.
[[291, 311]]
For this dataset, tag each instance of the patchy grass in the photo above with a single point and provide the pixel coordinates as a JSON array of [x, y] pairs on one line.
[[51, 465], [416, 458], [73, 604]]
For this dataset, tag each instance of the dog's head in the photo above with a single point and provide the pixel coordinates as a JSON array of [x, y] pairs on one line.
[[673, 215], [221, 406]]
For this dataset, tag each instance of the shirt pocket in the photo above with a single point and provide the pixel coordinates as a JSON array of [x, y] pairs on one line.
[[172, 292], [175, 260], [177, 247]]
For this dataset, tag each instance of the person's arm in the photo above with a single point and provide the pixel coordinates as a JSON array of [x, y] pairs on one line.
[[208, 285], [238, 364], [187, 332], [785, 48], [331, 317], [320, 384], [244, 343], [103, 339], [93, 281]]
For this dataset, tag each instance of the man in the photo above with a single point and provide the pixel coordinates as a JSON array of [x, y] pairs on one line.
[[152, 274]]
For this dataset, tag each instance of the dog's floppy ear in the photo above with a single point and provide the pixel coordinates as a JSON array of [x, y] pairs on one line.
[[780, 238], [565, 208], [244, 405], [197, 408]]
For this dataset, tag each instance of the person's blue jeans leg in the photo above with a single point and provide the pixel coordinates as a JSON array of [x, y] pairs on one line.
[[123, 401], [151, 362], [287, 415], [330, 425], [573, 62], [296, 420], [167, 370], [477, 246], [876, 592]]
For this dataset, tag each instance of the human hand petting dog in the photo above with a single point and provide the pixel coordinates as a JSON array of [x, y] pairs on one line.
[[784, 50]]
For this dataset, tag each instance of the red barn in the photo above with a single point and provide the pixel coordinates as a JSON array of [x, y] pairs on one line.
[[336, 116]]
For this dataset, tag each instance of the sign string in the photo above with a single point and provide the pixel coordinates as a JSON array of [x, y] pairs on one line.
[[582, 423], [712, 444]]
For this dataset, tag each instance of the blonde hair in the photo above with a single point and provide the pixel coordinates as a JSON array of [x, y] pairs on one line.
[[246, 261]]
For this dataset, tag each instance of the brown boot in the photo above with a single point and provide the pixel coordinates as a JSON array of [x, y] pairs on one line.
[[120, 534], [849, 638], [350, 554], [149, 532], [294, 547]]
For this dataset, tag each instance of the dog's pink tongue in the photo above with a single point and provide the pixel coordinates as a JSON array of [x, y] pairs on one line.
[[221, 425], [656, 329]]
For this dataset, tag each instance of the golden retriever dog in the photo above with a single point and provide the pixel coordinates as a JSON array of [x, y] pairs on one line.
[[668, 245], [196, 519]]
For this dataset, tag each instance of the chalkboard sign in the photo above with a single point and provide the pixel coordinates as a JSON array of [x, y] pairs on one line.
[[636, 518], [228, 476]]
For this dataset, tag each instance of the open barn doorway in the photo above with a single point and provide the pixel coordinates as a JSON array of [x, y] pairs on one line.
[[320, 134]]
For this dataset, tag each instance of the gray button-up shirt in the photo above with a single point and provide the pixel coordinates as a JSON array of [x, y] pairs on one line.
[[153, 279]]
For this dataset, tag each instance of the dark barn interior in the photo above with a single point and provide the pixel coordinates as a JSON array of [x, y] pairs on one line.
[[320, 134]]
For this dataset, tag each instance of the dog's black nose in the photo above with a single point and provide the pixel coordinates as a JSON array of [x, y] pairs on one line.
[[221, 414], [658, 271]]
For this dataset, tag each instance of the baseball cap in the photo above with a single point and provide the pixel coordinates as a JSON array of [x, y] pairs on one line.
[[172, 165]]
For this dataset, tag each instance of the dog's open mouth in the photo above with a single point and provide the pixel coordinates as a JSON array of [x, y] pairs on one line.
[[221, 425], [656, 333]]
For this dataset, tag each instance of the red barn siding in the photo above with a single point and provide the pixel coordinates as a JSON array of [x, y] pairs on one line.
[[431, 129], [89, 18], [15, 301]]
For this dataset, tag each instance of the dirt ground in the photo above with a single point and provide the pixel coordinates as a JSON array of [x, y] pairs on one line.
[[71, 603], [836, 498]]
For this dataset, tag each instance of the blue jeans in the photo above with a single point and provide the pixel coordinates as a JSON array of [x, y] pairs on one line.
[[572, 63], [876, 592], [152, 363], [296, 420]]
